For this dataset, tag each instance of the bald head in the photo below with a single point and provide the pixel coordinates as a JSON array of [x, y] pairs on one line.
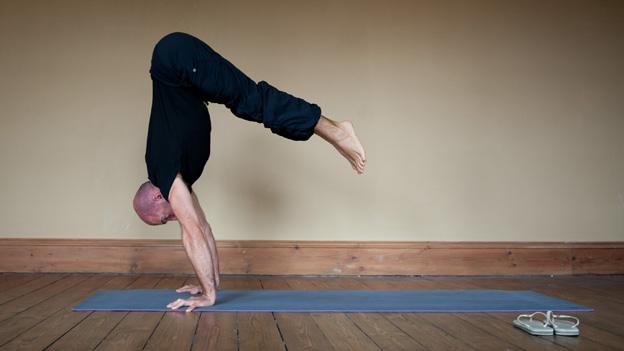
[[150, 205]]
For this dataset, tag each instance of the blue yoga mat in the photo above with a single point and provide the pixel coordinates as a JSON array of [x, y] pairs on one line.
[[335, 301]]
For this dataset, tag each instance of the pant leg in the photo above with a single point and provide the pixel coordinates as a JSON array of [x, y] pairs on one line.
[[218, 80]]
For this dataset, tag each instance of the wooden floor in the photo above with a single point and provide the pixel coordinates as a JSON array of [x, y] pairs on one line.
[[35, 314]]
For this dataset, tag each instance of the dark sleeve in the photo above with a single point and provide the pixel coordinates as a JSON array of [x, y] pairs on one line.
[[286, 115]]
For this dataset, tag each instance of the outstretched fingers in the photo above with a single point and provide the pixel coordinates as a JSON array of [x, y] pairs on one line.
[[183, 302], [192, 303], [193, 289], [176, 304], [191, 307]]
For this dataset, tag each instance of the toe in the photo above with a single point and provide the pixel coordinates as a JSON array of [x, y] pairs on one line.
[[362, 167], [360, 164]]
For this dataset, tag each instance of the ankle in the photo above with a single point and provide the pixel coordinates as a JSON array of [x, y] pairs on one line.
[[329, 130]]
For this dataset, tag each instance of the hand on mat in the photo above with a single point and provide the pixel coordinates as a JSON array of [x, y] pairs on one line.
[[193, 289], [192, 302]]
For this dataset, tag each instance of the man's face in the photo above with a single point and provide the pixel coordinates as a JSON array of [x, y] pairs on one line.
[[163, 212], [151, 206]]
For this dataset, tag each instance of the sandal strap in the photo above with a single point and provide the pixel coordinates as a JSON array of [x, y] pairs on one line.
[[530, 317], [563, 316]]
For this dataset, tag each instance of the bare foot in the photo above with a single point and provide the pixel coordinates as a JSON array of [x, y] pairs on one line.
[[348, 144]]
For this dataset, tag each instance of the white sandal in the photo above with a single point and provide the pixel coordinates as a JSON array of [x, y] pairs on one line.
[[563, 327], [534, 326]]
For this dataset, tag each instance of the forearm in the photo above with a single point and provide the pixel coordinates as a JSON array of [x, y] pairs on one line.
[[208, 235], [212, 245], [199, 253]]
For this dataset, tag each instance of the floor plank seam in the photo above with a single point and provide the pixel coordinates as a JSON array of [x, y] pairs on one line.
[[32, 291], [237, 331], [67, 331], [53, 325], [275, 321], [162, 316], [49, 297], [110, 331], [383, 315], [41, 321], [318, 327], [119, 322], [363, 332], [90, 314], [485, 331], [449, 335], [538, 340], [153, 331], [553, 341], [22, 283], [279, 330], [194, 338], [433, 280]]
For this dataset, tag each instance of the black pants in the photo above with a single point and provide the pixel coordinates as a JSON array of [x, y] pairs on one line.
[[182, 60]]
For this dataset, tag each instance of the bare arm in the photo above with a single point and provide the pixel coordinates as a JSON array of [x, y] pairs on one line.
[[209, 236], [193, 226]]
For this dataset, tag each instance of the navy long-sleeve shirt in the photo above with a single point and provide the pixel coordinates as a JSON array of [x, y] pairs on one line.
[[186, 75]]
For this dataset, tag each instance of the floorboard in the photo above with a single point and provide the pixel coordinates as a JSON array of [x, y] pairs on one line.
[[340, 330], [382, 331], [175, 330], [12, 280], [299, 330], [417, 326], [501, 327], [218, 330], [134, 331], [26, 286], [87, 334], [257, 331], [45, 302], [593, 337], [35, 314], [53, 327], [37, 296]]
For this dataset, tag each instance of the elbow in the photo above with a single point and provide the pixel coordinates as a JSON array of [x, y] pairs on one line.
[[192, 232]]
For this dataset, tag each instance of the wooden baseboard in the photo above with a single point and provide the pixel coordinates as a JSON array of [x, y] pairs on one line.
[[316, 257]]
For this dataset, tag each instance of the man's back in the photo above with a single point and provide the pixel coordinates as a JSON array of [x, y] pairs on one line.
[[178, 139]]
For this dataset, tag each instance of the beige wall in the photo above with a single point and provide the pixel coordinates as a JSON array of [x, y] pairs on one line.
[[482, 120]]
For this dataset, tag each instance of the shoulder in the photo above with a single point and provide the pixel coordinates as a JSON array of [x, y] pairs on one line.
[[179, 191], [181, 202]]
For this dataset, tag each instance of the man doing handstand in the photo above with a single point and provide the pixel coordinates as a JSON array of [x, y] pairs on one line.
[[187, 75]]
